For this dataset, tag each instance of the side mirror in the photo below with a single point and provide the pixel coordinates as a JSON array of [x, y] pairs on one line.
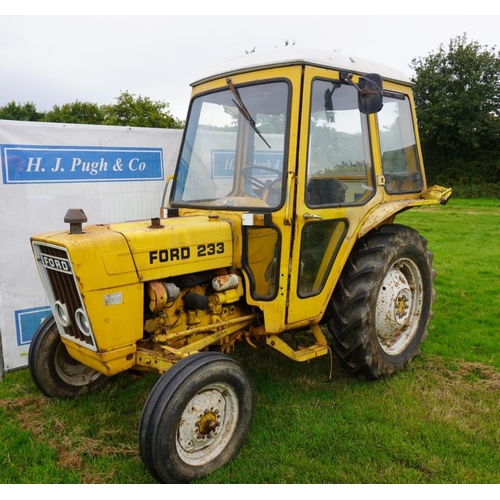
[[370, 97]]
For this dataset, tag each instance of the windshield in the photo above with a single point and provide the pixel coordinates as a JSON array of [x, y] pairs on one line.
[[233, 149]]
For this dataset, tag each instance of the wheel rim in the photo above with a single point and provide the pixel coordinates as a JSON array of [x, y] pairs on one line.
[[207, 424], [73, 372], [399, 306]]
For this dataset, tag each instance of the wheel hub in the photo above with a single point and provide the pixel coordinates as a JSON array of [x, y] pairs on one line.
[[399, 306], [394, 304], [71, 371], [402, 305], [207, 423]]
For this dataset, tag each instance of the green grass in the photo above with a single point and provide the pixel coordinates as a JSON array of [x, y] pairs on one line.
[[465, 239], [437, 422]]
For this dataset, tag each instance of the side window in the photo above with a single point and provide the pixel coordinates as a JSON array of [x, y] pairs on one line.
[[398, 147], [319, 246], [339, 162]]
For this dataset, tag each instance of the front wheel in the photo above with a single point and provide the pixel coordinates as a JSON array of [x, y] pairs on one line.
[[53, 370], [196, 418], [382, 303]]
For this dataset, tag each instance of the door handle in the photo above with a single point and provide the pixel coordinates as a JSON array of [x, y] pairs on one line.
[[289, 199], [312, 216]]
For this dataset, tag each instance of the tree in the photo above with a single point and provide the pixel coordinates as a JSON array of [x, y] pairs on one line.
[[76, 112], [457, 94], [26, 112], [139, 111], [129, 111]]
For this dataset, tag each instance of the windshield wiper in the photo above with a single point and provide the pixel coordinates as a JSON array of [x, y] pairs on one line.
[[244, 111]]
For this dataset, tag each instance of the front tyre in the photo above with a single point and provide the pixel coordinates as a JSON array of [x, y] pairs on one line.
[[196, 418], [53, 370], [382, 303]]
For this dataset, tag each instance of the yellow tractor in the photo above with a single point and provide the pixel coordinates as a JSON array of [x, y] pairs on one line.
[[279, 218]]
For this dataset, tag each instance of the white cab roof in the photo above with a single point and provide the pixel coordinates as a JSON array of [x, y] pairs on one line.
[[301, 56]]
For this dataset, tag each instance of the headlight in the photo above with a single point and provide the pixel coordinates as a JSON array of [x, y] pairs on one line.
[[61, 313], [83, 322]]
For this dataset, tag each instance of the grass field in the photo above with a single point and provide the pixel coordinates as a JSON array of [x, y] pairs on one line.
[[438, 422]]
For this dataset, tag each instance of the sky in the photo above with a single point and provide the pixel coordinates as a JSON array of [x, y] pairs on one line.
[[50, 55]]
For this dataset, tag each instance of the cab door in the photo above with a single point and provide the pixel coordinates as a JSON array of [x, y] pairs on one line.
[[335, 185]]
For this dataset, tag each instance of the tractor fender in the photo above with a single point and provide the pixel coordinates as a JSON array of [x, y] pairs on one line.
[[385, 213]]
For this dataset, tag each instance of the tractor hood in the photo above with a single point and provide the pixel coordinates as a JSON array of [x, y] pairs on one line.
[[139, 251], [173, 247]]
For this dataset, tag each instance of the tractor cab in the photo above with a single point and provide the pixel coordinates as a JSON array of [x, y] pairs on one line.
[[300, 151]]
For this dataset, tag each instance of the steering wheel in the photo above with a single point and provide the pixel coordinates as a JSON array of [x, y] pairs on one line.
[[247, 173]]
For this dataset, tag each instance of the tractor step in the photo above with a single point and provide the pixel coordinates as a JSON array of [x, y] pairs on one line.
[[320, 348], [310, 352]]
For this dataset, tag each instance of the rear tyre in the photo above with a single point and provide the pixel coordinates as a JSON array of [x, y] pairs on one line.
[[196, 418], [381, 306], [53, 370]]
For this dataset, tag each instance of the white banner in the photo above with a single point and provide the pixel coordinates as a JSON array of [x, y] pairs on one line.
[[113, 173]]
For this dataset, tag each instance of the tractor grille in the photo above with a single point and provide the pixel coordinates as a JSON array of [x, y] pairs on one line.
[[60, 286]]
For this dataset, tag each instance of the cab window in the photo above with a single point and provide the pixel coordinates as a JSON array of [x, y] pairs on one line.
[[339, 160], [398, 146]]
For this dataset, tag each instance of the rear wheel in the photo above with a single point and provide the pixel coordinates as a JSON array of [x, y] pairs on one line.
[[53, 370], [382, 303], [196, 418]]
